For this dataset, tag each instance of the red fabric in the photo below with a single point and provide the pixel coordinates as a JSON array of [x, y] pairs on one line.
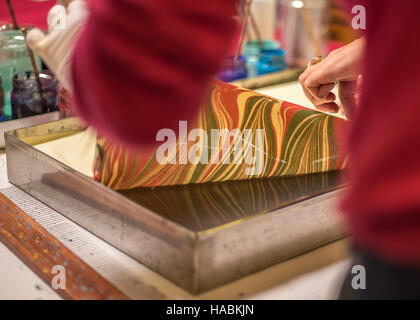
[[27, 12], [383, 203], [143, 65]]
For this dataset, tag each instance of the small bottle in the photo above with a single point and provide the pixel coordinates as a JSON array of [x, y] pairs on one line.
[[26, 98], [271, 61], [13, 59], [255, 51], [233, 69]]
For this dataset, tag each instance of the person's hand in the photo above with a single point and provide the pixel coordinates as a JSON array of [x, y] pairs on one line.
[[56, 47], [341, 66]]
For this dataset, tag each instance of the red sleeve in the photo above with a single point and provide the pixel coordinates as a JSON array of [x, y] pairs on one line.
[[143, 65], [383, 203], [27, 12]]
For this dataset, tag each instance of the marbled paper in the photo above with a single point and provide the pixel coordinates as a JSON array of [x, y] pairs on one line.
[[238, 134]]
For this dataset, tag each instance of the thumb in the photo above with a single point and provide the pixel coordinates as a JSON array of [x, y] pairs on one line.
[[33, 39], [321, 73], [347, 91]]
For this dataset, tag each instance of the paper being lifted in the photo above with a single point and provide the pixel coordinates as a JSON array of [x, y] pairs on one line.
[[238, 134], [76, 151]]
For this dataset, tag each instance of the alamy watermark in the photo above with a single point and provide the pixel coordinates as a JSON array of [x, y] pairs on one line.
[[197, 147], [359, 19], [59, 280], [358, 282]]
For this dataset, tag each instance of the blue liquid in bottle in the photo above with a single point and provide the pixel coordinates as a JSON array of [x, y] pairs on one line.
[[13, 59]]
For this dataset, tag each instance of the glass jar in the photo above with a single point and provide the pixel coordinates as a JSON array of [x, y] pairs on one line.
[[13, 59], [26, 98], [253, 52], [233, 70], [270, 61], [2, 116]]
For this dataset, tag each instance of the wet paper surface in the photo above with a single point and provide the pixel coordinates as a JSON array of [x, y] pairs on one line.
[[205, 206]]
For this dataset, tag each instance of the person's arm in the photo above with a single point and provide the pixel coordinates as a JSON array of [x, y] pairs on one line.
[[140, 65], [137, 66], [382, 203]]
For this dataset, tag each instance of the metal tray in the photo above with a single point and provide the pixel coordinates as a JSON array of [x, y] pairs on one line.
[[198, 236], [25, 122]]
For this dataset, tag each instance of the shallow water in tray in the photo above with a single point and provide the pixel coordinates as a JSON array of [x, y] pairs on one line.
[[204, 206]]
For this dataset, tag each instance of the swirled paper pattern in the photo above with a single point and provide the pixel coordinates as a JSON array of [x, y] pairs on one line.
[[209, 205], [242, 135]]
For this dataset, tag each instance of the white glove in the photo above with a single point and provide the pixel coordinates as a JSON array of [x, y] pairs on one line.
[[57, 46]]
